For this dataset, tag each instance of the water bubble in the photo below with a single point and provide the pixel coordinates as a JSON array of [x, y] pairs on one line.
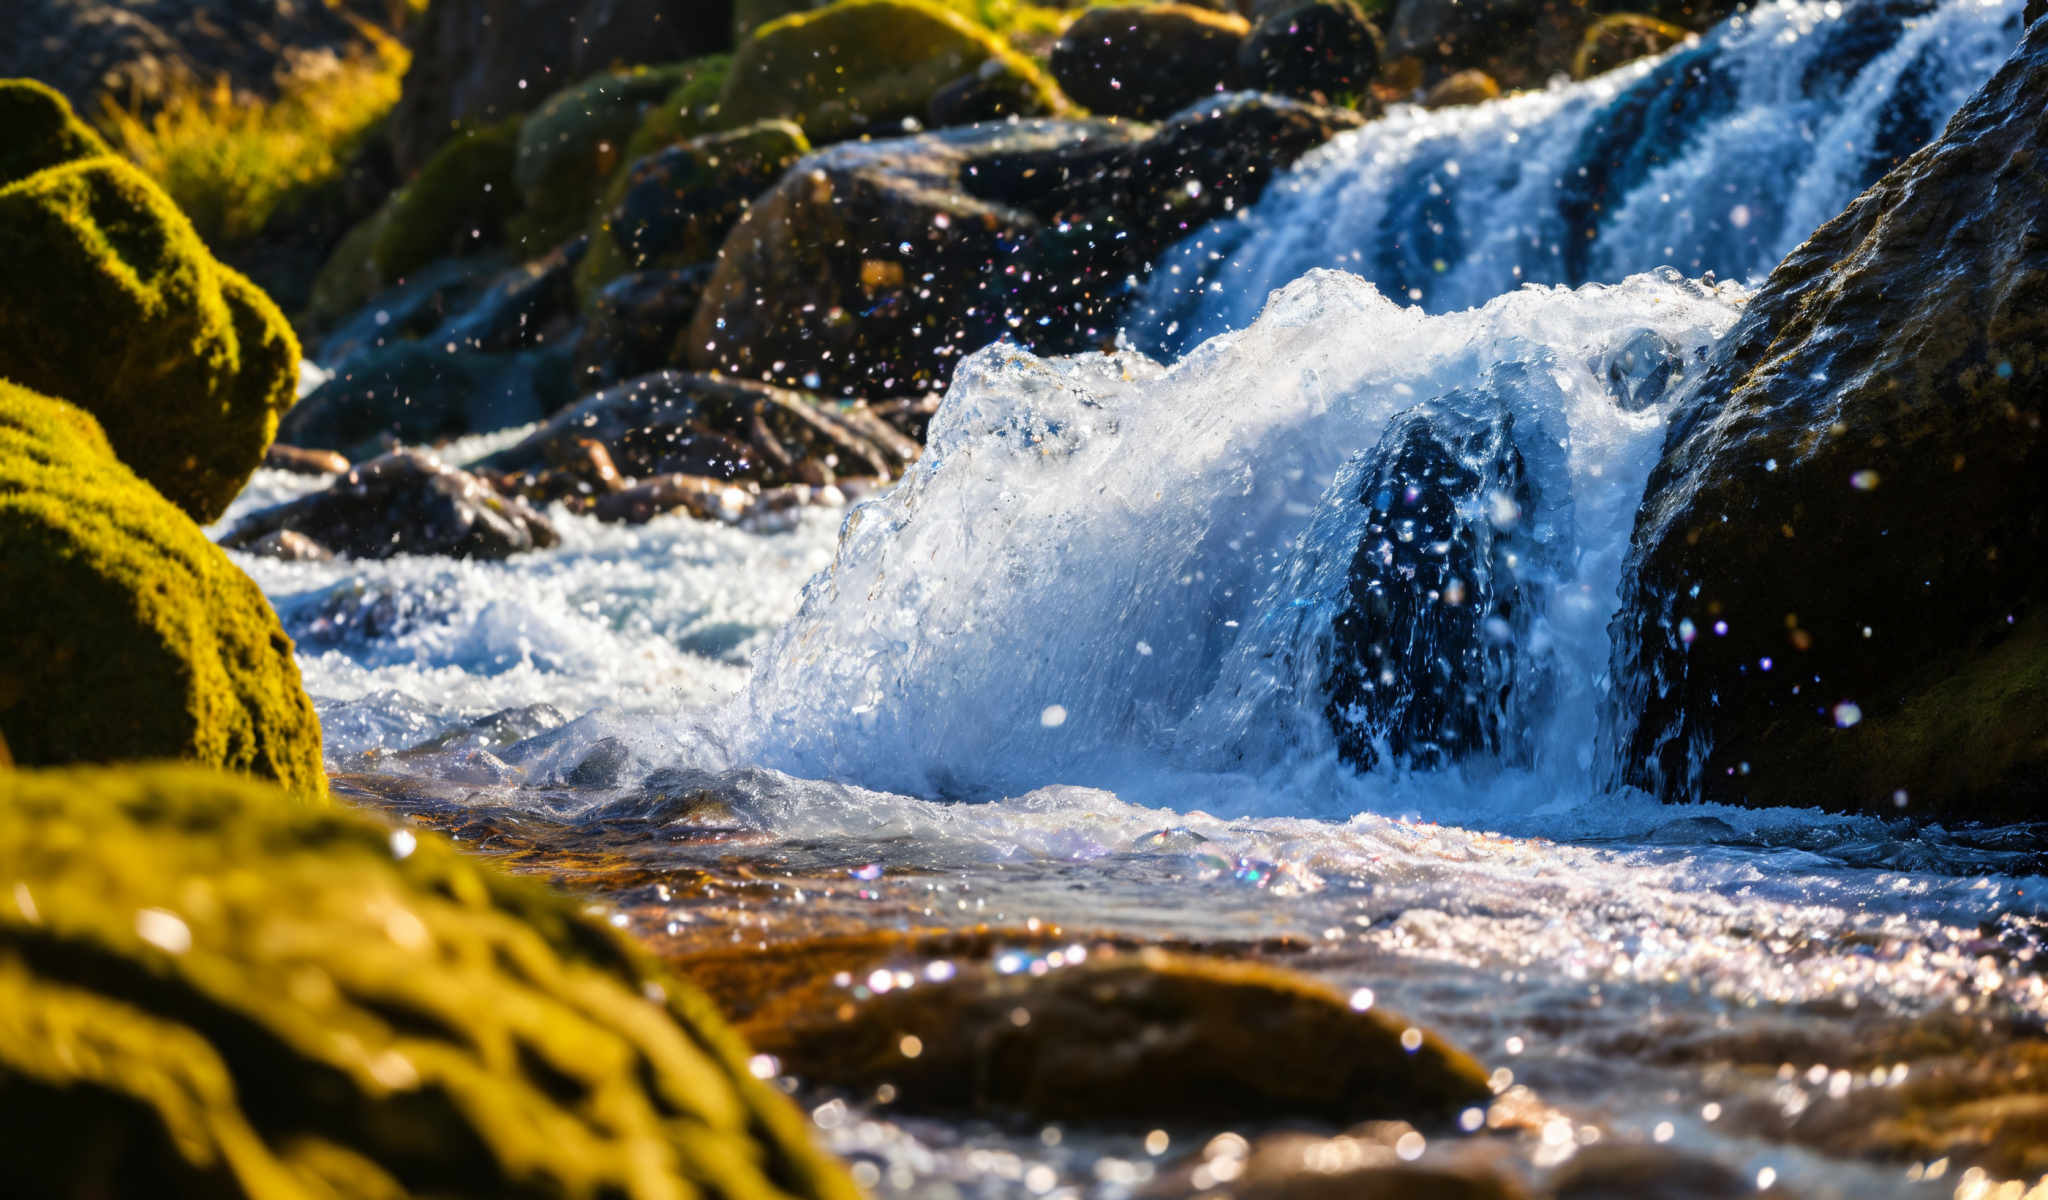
[[1847, 714], [1053, 717], [1739, 216], [1687, 631]]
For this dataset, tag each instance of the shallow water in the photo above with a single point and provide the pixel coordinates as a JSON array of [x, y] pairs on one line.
[[1064, 684]]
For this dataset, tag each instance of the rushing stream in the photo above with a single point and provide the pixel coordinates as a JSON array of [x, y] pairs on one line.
[[1067, 675]]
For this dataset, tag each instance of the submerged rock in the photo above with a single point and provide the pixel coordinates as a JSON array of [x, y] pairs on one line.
[[109, 299], [124, 634], [206, 991], [1150, 1037], [1150, 61], [408, 502], [1428, 653], [1835, 585]]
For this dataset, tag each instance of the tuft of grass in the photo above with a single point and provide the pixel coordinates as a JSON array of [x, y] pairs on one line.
[[232, 163]]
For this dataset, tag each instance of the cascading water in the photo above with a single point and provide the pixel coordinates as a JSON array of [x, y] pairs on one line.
[[1717, 157]]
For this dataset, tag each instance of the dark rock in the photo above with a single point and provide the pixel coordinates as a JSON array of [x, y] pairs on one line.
[[281, 457], [1324, 50], [414, 392], [1618, 1171], [142, 51], [480, 61], [636, 322], [991, 92], [424, 302], [523, 307], [1621, 38], [1147, 62], [1835, 586], [680, 203], [1364, 1163], [404, 503], [1151, 1036], [1425, 660], [711, 428], [703, 498], [288, 545]]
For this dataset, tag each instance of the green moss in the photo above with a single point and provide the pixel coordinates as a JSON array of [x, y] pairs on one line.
[[859, 63], [573, 144], [41, 130], [112, 301], [204, 993], [349, 278], [690, 110], [124, 633], [459, 202]]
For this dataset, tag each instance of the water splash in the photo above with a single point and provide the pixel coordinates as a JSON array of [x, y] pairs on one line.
[[1719, 156]]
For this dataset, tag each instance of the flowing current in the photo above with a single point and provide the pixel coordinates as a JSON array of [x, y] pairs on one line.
[[1070, 669]]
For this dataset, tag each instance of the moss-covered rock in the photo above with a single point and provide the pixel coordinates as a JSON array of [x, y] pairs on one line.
[[1148, 61], [109, 299], [1836, 585], [570, 146], [859, 64], [690, 110], [1147, 1036], [1621, 38], [124, 633], [42, 131], [459, 203], [678, 205], [205, 993]]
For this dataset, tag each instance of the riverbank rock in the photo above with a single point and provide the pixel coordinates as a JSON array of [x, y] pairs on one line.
[[144, 51], [636, 325], [109, 297], [479, 62], [858, 65], [704, 426], [677, 206], [1324, 50], [207, 992], [124, 634], [1149, 1036], [414, 392], [1426, 651], [406, 502], [1148, 62], [576, 141], [1834, 594]]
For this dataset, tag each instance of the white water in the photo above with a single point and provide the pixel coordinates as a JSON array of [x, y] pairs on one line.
[[1718, 157]]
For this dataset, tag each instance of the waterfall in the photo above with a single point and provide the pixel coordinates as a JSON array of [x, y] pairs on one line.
[[1715, 158]]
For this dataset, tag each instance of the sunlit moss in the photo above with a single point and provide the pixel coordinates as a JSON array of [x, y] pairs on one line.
[[460, 201], [207, 992], [124, 633], [231, 162]]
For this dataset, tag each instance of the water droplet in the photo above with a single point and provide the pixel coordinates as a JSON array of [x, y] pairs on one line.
[[1053, 717], [1863, 480], [1847, 714]]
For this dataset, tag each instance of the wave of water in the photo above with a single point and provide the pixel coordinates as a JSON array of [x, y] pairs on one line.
[[1717, 157]]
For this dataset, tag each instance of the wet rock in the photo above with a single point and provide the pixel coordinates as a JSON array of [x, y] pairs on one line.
[[426, 300], [124, 634], [416, 392], [1426, 660], [1147, 62], [525, 306], [110, 300], [710, 427], [1460, 88], [1324, 51], [208, 990], [1834, 589], [678, 205], [576, 141], [636, 324], [143, 51], [860, 64], [408, 502], [1150, 1036], [298, 461], [991, 92], [289, 545], [1621, 38], [1617, 1171], [702, 497], [477, 62]]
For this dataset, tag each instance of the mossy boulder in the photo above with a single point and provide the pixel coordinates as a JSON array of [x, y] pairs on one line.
[[678, 205], [110, 300], [1621, 38], [207, 993], [124, 633], [1837, 592], [459, 203], [691, 108], [1319, 50], [1149, 1036], [1148, 61], [860, 64], [42, 131], [570, 146]]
